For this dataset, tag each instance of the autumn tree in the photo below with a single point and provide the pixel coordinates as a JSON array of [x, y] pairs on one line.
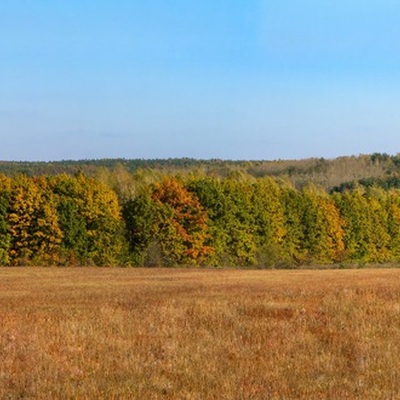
[[239, 221], [269, 221], [180, 223], [322, 226], [166, 224], [393, 222], [366, 235], [33, 222], [90, 216]]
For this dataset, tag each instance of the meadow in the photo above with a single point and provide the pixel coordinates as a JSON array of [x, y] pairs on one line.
[[86, 333]]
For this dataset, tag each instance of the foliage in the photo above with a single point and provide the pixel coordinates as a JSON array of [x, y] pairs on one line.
[[366, 231], [139, 218], [231, 221], [393, 222], [328, 173], [33, 222], [5, 238], [323, 227], [174, 219], [151, 219], [90, 216]]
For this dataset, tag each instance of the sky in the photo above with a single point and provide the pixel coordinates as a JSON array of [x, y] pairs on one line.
[[237, 79]]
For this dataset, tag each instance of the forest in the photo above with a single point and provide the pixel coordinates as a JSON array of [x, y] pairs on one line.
[[184, 214]]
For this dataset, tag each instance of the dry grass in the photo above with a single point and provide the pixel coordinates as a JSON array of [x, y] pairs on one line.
[[199, 334]]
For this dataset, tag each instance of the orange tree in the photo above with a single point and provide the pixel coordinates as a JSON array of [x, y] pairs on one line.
[[180, 223], [169, 220]]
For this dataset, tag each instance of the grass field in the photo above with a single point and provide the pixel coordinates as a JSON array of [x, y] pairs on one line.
[[89, 333]]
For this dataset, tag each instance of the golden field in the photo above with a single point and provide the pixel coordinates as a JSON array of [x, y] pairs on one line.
[[98, 333]]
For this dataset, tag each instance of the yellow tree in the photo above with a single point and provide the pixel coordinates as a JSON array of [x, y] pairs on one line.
[[323, 226], [269, 221], [33, 222], [366, 224], [393, 213]]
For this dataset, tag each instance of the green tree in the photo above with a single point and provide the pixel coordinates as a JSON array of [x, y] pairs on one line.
[[139, 214], [229, 203], [293, 240], [210, 193], [5, 237], [366, 224], [90, 216]]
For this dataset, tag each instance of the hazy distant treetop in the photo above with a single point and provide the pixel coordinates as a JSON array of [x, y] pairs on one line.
[[333, 174]]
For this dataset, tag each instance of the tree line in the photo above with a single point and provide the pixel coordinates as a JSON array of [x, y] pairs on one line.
[[168, 220], [331, 174]]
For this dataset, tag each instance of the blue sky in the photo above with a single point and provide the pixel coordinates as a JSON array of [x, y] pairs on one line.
[[254, 79]]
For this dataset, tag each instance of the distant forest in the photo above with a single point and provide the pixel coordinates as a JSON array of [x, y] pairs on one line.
[[201, 212], [331, 174]]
